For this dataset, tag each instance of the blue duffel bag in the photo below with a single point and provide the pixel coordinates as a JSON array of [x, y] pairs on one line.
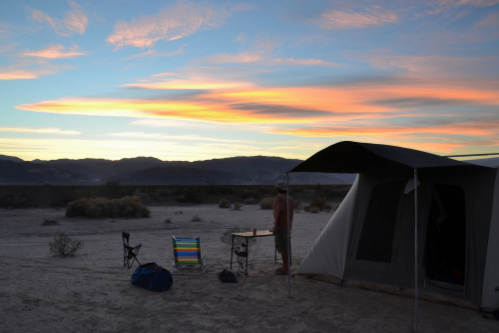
[[152, 277]]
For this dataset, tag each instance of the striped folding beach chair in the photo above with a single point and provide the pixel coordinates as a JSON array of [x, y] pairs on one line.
[[187, 252]]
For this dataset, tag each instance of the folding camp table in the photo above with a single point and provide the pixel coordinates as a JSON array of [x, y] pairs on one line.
[[247, 235]]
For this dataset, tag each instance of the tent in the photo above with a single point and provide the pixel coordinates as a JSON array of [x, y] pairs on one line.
[[371, 241]]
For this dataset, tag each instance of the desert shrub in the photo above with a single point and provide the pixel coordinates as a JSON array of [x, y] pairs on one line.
[[226, 237], [267, 203], [196, 218], [223, 203], [63, 245], [314, 209], [297, 205], [50, 222], [318, 202], [100, 208], [168, 220], [250, 201], [14, 199], [328, 206], [306, 208], [237, 205]]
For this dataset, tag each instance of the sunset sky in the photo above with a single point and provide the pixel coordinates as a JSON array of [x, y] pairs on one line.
[[196, 80]]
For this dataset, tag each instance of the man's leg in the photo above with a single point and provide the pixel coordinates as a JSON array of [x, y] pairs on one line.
[[285, 266]]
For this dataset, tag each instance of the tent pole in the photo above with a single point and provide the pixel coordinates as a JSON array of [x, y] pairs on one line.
[[289, 236], [416, 249]]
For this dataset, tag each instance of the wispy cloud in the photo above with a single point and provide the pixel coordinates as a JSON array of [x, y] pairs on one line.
[[173, 22], [263, 58], [30, 69], [438, 66], [74, 21], [153, 53], [368, 18], [54, 52], [8, 74], [48, 130]]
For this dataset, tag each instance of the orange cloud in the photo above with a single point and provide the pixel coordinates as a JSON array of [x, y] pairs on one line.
[[54, 52], [470, 129], [171, 23], [338, 20], [240, 102], [17, 75], [210, 111], [74, 21]]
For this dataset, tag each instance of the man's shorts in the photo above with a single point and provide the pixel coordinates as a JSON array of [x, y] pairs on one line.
[[281, 241]]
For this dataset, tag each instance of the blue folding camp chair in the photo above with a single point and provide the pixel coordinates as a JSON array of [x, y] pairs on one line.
[[187, 253], [129, 252]]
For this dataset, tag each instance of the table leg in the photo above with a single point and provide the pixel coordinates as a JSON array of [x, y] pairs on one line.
[[231, 251], [247, 255]]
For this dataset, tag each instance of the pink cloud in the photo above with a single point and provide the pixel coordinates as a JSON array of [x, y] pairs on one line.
[[54, 52], [436, 66], [173, 22], [265, 58], [154, 53], [17, 75], [75, 21], [340, 20], [30, 69]]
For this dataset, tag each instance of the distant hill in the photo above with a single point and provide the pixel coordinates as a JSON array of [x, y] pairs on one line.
[[152, 171], [34, 173], [10, 158], [194, 176]]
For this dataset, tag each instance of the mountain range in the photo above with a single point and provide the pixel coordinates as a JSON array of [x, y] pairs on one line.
[[255, 170]]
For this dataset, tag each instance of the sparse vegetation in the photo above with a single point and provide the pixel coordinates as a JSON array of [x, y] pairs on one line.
[[319, 202], [189, 194], [226, 237], [267, 203], [223, 203], [314, 209], [15, 199], [237, 205], [65, 246], [168, 220], [196, 218], [50, 222], [250, 201], [100, 208], [327, 207]]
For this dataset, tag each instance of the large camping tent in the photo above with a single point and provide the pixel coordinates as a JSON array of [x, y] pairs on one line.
[[371, 237]]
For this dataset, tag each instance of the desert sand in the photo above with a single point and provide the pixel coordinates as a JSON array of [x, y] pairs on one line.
[[92, 291]]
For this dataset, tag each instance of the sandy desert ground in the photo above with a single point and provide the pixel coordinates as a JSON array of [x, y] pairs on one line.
[[91, 292]]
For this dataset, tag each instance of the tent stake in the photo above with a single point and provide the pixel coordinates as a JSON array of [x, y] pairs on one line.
[[416, 249], [289, 236]]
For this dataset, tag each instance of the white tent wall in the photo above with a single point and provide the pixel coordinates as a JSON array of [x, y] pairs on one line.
[[344, 231], [490, 298], [328, 254]]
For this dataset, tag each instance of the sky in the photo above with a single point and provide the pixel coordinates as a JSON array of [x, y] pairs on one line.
[[197, 80]]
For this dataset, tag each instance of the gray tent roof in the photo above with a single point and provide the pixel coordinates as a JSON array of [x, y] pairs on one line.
[[358, 157]]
